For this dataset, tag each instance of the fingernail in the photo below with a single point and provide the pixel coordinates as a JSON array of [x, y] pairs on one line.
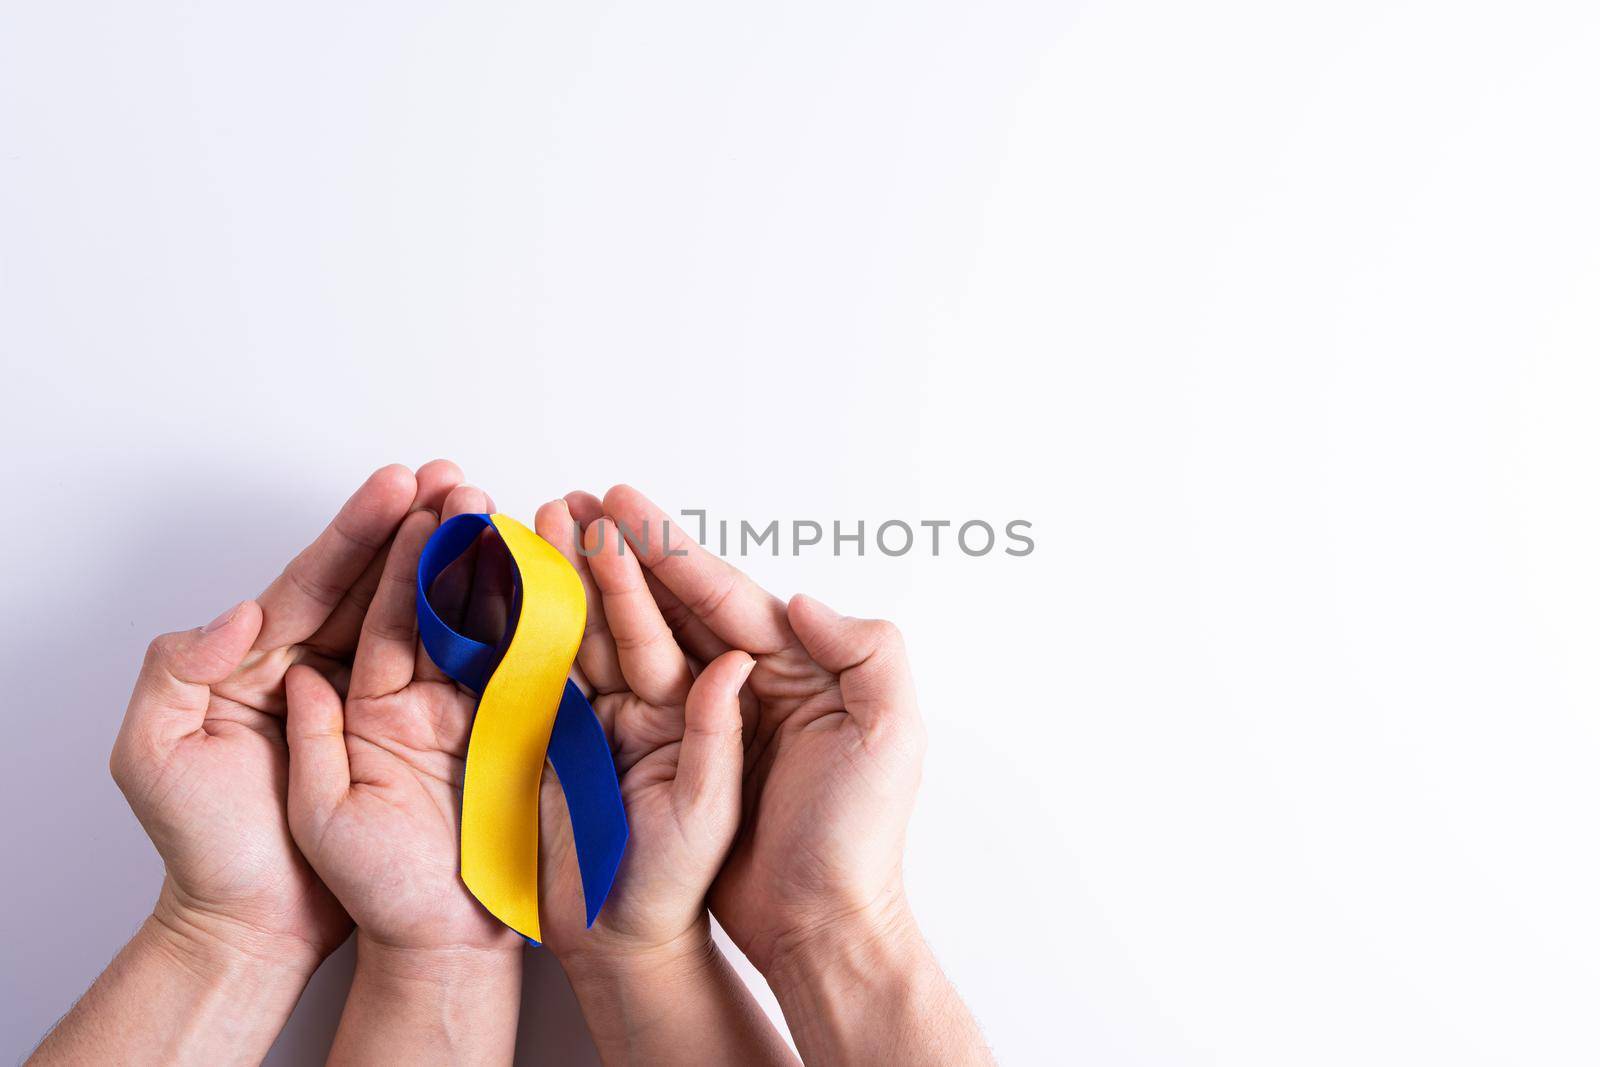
[[220, 621], [749, 666]]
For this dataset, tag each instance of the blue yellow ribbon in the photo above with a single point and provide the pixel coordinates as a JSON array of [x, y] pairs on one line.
[[528, 710]]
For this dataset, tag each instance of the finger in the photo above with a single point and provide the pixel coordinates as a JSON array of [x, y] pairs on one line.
[[386, 658], [597, 652], [489, 599], [173, 692], [319, 763], [711, 759], [732, 606], [453, 587], [868, 655], [585, 507], [652, 663], [436, 480], [337, 637], [695, 636], [466, 500], [304, 596]]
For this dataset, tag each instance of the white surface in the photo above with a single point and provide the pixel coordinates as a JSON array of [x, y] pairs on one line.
[[1278, 320]]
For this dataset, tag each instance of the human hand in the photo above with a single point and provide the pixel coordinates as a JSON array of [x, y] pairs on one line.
[[201, 756], [652, 985], [676, 736], [375, 779], [833, 744]]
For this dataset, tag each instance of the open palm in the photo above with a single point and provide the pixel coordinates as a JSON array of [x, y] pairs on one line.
[[202, 756], [833, 741], [375, 780], [676, 738]]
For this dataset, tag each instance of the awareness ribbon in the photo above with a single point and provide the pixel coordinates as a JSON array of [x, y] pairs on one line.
[[528, 709]]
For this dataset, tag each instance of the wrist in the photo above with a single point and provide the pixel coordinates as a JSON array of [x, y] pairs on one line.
[[635, 998], [190, 987], [877, 942], [213, 945], [864, 987], [603, 959], [447, 967], [454, 1003]]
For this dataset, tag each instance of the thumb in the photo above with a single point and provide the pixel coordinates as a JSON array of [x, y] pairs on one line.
[[319, 763], [711, 758], [868, 655], [174, 686]]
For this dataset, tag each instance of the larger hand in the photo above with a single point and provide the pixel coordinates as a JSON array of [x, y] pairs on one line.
[[201, 754], [812, 890], [833, 751]]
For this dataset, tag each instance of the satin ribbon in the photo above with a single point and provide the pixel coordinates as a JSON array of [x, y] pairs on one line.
[[528, 709]]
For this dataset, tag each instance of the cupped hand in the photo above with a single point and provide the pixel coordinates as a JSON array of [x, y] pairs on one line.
[[375, 779], [201, 756], [675, 732], [833, 742]]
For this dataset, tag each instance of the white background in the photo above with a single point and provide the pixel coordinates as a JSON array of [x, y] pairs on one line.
[[1279, 322]]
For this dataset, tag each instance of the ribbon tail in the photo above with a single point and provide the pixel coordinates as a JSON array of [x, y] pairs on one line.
[[581, 756]]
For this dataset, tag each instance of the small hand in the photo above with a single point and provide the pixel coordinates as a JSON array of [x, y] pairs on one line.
[[201, 755], [676, 736], [833, 745], [375, 780]]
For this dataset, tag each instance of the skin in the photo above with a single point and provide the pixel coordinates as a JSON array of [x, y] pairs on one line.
[[374, 803], [652, 985], [241, 921], [812, 890], [807, 772]]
